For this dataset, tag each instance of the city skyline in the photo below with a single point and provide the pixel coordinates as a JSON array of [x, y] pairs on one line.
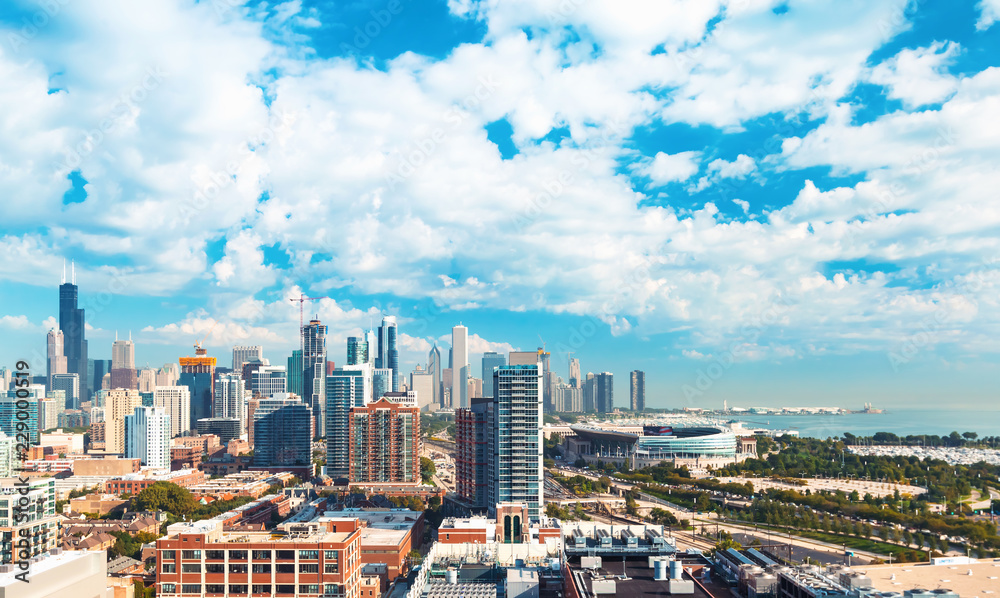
[[639, 186]]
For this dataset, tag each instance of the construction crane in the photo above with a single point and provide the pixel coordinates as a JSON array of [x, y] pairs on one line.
[[302, 299], [197, 344]]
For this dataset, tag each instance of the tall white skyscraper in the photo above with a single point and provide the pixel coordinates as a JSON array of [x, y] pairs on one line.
[[460, 366], [268, 380], [230, 398], [574, 373], [118, 404], [422, 383], [147, 436], [434, 368], [56, 363], [176, 401], [122, 354], [242, 355]]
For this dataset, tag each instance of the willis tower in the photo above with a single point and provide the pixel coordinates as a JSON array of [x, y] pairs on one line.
[[71, 323]]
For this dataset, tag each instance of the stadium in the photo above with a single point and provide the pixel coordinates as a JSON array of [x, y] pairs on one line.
[[700, 447]]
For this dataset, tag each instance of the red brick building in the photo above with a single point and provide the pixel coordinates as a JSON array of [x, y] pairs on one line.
[[200, 559], [385, 443], [136, 483]]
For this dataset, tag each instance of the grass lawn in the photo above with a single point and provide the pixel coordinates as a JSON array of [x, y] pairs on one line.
[[852, 542]]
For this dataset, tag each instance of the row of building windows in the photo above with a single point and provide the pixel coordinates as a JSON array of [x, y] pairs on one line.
[[241, 555], [267, 589]]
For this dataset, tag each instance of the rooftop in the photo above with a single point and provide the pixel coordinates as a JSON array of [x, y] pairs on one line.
[[639, 582], [49, 561], [985, 576]]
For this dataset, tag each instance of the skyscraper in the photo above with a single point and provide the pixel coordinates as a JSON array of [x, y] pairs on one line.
[[13, 413], [574, 373], [314, 373], [72, 325], [230, 400], [516, 427], [422, 383], [147, 379], [168, 375], [56, 358], [119, 403], [70, 384], [388, 355], [434, 368], [385, 443], [176, 401], [269, 380], [460, 366], [346, 388], [638, 390], [491, 360], [372, 339], [357, 350], [123, 374], [147, 436], [198, 374], [282, 439], [605, 392], [472, 446], [589, 393], [294, 373], [241, 355], [381, 383]]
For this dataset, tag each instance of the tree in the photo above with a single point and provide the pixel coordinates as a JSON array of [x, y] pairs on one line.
[[165, 496], [427, 469]]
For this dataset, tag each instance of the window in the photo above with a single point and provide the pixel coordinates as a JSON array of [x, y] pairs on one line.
[[169, 568], [191, 588], [237, 589], [215, 568], [168, 555], [331, 589], [191, 568], [331, 568], [262, 567], [216, 555], [285, 555], [215, 589], [308, 588], [191, 554], [285, 589], [237, 555], [238, 568], [168, 588], [262, 555], [308, 568], [286, 568], [261, 588], [330, 555], [308, 555]]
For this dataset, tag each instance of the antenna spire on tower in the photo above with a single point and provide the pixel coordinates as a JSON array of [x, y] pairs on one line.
[[73, 266]]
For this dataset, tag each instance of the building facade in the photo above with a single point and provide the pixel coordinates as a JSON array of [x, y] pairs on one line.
[[346, 388], [230, 400], [472, 436], [281, 435], [37, 522], [388, 354], [637, 390], [314, 373], [357, 350], [198, 374], [491, 361], [176, 401], [147, 437], [73, 326], [118, 404], [385, 443], [242, 355]]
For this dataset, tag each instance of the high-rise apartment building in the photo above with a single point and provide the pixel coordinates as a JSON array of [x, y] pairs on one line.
[[15, 410], [385, 443], [198, 374], [48, 411], [388, 354], [589, 393], [242, 355], [55, 357], [605, 392], [282, 438], [491, 361], [314, 373], [147, 436], [176, 402], [72, 325], [269, 380], [31, 531], [569, 399], [357, 350], [346, 388], [434, 368], [123, 373], [515, 466], [226, 428], [472, 446], [230, 399], [460, 366], [637, 389], [118, 404]]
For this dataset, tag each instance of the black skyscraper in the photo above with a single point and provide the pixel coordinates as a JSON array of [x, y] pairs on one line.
[[71, 323]]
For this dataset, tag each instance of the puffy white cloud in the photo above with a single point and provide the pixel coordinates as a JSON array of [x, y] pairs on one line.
[[670, 168], [989, 14], [919, 76], [16, 322]]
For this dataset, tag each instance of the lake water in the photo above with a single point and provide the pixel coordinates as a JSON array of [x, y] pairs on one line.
[[898, 421]]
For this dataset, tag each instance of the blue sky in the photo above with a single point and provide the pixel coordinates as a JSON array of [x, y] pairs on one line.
[[765, 202]]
